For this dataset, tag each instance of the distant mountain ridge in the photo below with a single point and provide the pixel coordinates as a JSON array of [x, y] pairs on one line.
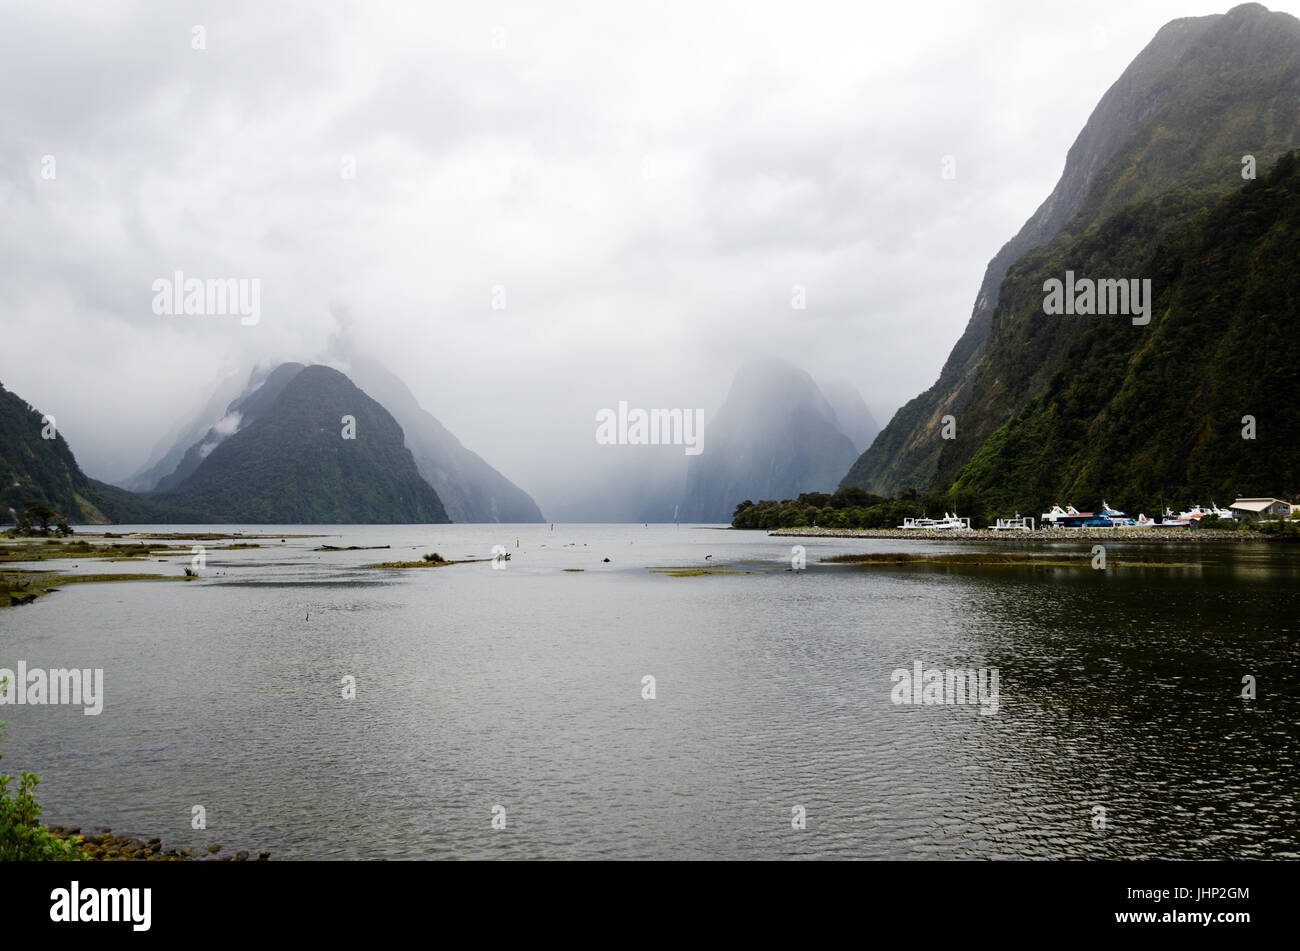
[[774, 437]]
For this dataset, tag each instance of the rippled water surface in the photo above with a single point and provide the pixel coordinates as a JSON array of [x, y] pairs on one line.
[[522, 688]]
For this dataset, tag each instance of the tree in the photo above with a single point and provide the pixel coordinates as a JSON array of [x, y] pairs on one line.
[[34, 509]]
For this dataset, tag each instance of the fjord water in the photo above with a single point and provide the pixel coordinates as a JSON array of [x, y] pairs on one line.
[[522, 688]]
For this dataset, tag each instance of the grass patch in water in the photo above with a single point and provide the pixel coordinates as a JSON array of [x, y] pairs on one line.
[[693, 571], [394, 565], [15, 589]]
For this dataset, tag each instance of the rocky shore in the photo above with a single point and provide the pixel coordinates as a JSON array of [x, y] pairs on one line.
[[1177, 536], [106, 847]]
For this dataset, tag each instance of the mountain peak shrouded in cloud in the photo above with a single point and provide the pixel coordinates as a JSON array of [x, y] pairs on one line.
[[774, 437], [470, 490]]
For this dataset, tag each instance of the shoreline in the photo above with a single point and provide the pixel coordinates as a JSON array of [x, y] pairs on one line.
[[1167, 536], [108, 847]]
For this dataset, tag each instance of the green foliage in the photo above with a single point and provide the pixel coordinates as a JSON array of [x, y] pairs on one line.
[[1278, 526], [37, 511], [852, 507], [22, 837]]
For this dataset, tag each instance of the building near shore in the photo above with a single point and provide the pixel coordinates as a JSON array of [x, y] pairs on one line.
[[1255, 508]]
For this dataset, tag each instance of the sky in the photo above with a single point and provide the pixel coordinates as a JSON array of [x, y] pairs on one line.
[[529, 212]]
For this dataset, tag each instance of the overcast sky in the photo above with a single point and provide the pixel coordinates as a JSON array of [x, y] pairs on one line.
[[648, 182]]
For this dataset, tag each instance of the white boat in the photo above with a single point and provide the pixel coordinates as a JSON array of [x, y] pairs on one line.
[[1170, 520], [952, 523], [1116, 518], [1068, 517], [1021, 523], [946, 524], [1144, 522], [1200, 511]]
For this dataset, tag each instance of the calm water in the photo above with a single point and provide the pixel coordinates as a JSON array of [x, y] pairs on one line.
[[522, 688]]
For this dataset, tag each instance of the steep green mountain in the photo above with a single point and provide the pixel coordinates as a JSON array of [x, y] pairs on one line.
[[44, 470], [1145, 414], [1204, 92], [468, 487], [292, 464]]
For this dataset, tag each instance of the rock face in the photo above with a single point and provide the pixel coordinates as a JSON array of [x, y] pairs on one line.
[[470, 489], [774, 437], [1204, 92]]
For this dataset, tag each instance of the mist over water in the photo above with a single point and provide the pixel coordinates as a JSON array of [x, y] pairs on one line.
[[522, 687]]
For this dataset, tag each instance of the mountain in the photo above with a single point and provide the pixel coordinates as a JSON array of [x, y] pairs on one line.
[[170, 450], [264, 389], [854, 417], [35, 468], [1141, 415], [470, 489], [774, 437], [290, 461], [1174, 129]]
